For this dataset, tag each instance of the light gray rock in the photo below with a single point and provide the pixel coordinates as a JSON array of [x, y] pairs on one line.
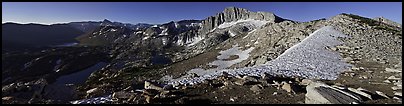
[[320, 93], [396, 87], [256, 88], [393, 78], [387, 21], [392, 70], [122, 95], [382, 94], [361, 93], [398, 94], [94, 90], [387, 81], [234, 14], [305, 82], [287, 87], [149, 85]]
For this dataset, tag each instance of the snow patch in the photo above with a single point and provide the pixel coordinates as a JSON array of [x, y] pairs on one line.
[[195, 41], [249, 33], [231, 33], [164, 41], [176, 25], [144, 38], [257, 23], [221, 64], [164, 32], [97, 100], [138, 32], [307, 59]]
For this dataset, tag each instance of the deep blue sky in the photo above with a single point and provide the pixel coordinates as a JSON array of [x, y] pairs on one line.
[[162, 12]]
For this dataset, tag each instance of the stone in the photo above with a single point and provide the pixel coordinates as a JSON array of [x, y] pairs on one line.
[[393, 78], [148, 98], [7, 98], [339, 87], [150, 92], [122, 95], [305, 82], [320, 93], [168, 87], [250, 79], [287, 87], [355, 69], [348, 59], [275, 93], [261, 60], [276, 83], [94, 90], [149, 85], [333, 48], [361, 68], [386, 81], [361, 93], [352, 74], [239, 82], [392, 70], [246, 80], [256, 88], [396, 87], [382, 94], [398, 94]]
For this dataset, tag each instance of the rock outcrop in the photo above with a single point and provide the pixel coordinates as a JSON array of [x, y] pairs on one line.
[[387, 21], [234, 14]]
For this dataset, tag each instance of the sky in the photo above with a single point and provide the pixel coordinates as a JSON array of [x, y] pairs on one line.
[[163, 12]]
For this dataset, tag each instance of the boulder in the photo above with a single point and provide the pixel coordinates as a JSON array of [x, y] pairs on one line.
[[396, 87], [382, 94], [287, 87], [320, 93], [94, 92], [168, 87], [7, 98], [386, 81], [361, 93], [246, 80], [392, 70], [398, 94], [122, 95], [149, 85], [256, 88], [393, 78], [305, 82]]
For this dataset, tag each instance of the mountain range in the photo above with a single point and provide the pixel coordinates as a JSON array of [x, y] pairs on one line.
[[234, 56]]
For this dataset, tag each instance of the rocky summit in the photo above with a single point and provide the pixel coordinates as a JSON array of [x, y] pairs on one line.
[[236, 56]]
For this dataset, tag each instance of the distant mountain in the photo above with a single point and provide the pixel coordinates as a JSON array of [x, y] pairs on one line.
[[85, 26], [18, 36], [22, 36]]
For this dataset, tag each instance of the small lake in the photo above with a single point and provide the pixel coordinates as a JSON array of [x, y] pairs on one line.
[[81, 76], [66, 44], [160, 60]]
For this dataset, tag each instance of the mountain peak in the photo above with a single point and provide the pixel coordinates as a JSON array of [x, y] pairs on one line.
[[234, 9], [107, 21], [387, 21]]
